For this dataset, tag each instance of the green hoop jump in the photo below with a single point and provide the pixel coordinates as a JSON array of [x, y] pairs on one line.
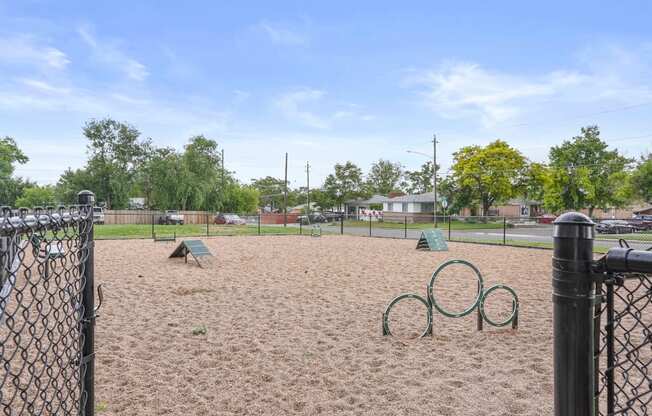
[[513, 318], [399, 298], [431, 296], [478, 303]]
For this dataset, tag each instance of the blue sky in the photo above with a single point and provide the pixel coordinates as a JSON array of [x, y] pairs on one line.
[[325, 81]]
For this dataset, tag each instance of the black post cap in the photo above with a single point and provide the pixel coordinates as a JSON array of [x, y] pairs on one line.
[[573, 225]]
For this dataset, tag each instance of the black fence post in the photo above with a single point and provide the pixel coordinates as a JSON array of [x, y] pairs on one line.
[[86, 201], [504, 230], [258, 224], [369, 225], [405, 226], [300, 226], [573, 297], [208, 233], [449, 228], [153, 227], [342, 224]]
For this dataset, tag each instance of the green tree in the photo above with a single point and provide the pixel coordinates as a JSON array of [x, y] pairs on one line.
[[271, 192], [322, 200], [534, 180], [115, 154], [10, 187], [240, 199], [456, 198], [162, 178], [202, 175], [345, 184], [384, 177], [42, 196], [488, 174], [419, 181], [71, 182], [585, 174], [641, 179]]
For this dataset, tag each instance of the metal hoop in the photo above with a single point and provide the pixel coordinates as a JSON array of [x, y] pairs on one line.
[[397, 299], [440, 308], [514, 313]]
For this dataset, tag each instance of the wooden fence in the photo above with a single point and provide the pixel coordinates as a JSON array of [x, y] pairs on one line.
[[146, 217]]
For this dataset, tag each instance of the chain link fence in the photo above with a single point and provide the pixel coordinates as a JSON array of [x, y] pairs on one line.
[[623, 331], [46, 318], [602, 321]]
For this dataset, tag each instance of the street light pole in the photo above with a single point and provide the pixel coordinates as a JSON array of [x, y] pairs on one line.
[[434, 176]]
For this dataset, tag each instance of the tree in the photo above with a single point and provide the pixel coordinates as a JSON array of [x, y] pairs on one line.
[[488, 174], [384, 177], [344, 184], [202, 175], [419, 181], [322, 200], [34, 196], [115, 154], [240, 199], [456, 197], [584, 174], [534, 180], [71, 182], [641, 179], [271, 191], [10, 187]]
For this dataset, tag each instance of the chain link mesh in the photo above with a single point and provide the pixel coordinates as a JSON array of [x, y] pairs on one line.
[[624, 345], [42, 256]]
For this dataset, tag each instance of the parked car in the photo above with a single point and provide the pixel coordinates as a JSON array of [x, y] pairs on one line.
[[546, 219], [641, 223], [98, 215], [228, 219], [171, 217], [615, 227], [312, 219]]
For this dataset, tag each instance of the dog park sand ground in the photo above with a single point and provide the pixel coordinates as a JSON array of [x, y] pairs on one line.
[[293, 326]]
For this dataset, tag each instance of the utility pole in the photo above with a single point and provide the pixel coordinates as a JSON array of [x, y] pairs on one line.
[[221, 199], [308, 187], [285, 194], [434, 176]]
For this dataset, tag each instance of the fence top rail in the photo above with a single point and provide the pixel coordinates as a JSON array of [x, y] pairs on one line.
[[22, 221]]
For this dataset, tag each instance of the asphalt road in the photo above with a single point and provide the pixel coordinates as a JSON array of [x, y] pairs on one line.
[[536, 235]]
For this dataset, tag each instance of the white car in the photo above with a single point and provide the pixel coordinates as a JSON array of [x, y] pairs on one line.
[[98, 215], [172, 217]]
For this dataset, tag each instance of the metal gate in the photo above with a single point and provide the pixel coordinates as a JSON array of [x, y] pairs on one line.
[[602, 324], [47, 310]]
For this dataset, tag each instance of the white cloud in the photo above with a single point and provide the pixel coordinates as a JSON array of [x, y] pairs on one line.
[[291, 105], [463, 89], [44, 87], [280, 35], [467, 90], [26, 50], [109, 53]]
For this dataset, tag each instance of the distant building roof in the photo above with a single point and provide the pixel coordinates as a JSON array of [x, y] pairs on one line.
[[426, 197], [376, 199]]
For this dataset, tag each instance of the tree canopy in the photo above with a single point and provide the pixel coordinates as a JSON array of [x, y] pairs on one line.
[[488, 174], [585, 174], [384, 177]]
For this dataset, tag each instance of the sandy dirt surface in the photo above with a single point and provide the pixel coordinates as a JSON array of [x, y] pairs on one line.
[[293, 326]]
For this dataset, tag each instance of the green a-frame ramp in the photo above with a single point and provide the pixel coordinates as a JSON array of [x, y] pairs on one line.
[[195, 248]]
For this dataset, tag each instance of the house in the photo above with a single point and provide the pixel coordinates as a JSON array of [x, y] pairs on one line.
[[410, 208], [512, 208], [644, 211], [356, 208]]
